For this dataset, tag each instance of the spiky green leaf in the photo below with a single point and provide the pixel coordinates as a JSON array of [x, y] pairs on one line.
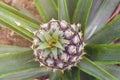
[[27, 13], [105, 53], [84, 75], [104, 12], [108, 34], [47, 9], [15, 11], [63, 10], [18, 63], [71, 9], [15, 20], [23, 32], [81, 13], [28, 74], [113, 69], [55, 75], [67, 75], [93, 69], [76, 73], [95, 7], [12, 49]]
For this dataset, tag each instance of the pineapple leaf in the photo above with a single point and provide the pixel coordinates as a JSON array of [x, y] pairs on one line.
[[15, 11], [104, 12], [23, 32], [63, 10], [15, 20], [67, 75], [17, 64], [93, 69], [12, 49], [81, 13], [95, 7], [26, 12], [73, 74], [54, 5], [76, 74], [16, 61], [71, 9], [113, 69], [104, 53], [28, 74], [84, 75], [47, 9], [55, 75], [107, 34]]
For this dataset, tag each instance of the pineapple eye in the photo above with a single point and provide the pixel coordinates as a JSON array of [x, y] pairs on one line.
[[58, 42]]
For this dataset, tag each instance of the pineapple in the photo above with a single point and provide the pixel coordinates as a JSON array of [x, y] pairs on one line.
[[73, 41], [58, 44]]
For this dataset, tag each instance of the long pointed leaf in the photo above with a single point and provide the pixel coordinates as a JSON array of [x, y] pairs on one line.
[[19, 65], [108, 34], [47, 9], [26, 12], [71, 9], [54, 5], [82, 12], [28, 74], [113, 69], [73, 74], [63, 10], [84, 75], [109, 54], [12, 49], [115, 13], [16, 20], [15, 11], [55, 75], [67, 75], [76, 74], [91, 68], [13, 62], [95, 7], [104, 12], [23, 32]]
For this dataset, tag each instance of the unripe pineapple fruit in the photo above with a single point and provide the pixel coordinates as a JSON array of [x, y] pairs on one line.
[[58, 45]]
